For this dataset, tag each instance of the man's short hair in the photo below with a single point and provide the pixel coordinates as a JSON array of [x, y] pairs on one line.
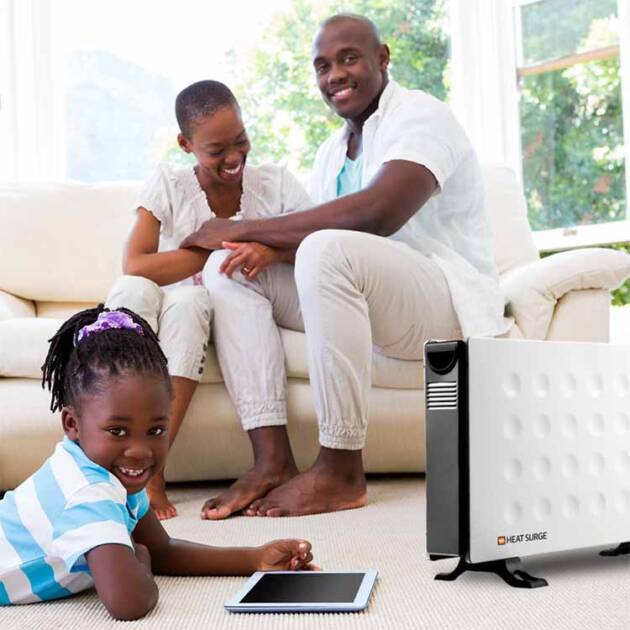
[[339, 17], [200, 100]]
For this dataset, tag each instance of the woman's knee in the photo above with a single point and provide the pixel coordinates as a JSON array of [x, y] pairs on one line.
[[141, 295], [185, 302]]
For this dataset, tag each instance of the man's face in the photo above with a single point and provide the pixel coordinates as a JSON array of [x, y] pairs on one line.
[[123, 427], [350, 67]]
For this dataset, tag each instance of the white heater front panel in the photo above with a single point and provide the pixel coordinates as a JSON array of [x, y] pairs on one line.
[[549, 431]]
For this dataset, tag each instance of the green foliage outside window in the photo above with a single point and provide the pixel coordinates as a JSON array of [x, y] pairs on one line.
[[286, 117]]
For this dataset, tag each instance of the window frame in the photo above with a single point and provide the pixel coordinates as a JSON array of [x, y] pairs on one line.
[[602, 233]]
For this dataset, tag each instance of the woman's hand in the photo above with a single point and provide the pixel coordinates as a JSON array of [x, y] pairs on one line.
[[250, 258], [286, 555]]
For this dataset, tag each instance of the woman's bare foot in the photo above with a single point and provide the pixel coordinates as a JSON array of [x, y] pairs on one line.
[[156, 489], [335, 482], [253, 485], [273, 466]]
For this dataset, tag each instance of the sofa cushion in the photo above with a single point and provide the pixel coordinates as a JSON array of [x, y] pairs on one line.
[[513, 242], [24, 344], [77, 232]]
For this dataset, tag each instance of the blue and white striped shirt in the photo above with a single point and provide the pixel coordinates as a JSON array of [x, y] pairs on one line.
[[48, 523]]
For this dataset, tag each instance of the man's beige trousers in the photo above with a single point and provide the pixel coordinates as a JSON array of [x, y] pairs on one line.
[[353, 294]]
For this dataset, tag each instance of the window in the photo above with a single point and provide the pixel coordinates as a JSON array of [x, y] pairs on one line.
[[571, 109], [95, 83]]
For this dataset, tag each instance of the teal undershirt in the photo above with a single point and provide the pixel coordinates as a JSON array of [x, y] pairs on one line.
[[349, 178]]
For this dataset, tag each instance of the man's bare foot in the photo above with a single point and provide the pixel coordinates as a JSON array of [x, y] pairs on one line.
[[325, 487], [255, 484], [156, 489], [273, 466]]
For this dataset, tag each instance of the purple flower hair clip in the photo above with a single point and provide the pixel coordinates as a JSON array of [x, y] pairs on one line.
[[107, 320]]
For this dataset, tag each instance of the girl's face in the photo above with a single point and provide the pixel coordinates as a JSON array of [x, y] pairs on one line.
[[123, 427], [220, 144]]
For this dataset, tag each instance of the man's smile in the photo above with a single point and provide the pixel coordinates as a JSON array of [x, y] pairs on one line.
[[341, 93]]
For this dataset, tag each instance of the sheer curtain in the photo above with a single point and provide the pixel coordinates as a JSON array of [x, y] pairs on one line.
[[28, 113], [483, 78]]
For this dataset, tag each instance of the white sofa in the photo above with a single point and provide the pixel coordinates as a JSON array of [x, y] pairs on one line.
[[60, 251]]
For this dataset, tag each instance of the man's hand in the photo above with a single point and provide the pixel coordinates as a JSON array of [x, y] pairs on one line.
[[250, 258], [286, 555], [211, 234]]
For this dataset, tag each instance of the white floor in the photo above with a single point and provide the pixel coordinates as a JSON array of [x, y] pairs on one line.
[[585, 590]]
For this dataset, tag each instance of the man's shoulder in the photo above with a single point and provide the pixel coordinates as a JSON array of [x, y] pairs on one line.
[[414, 103]]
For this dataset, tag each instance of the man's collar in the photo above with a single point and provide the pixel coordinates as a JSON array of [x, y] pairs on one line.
[[387, 95]]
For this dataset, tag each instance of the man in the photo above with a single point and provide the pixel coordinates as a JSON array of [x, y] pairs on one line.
[[397, 252]]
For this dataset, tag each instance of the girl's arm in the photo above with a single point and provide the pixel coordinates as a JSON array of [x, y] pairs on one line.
[[180, 557], [141, 257], [123, 580]]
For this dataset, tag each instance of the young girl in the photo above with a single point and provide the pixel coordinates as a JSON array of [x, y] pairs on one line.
[[174, 204], [83, 518]]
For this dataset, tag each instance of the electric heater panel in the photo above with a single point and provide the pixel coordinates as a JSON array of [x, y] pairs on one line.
[[548, 446]]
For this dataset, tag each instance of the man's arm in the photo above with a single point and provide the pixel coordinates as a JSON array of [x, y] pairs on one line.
[[390, 199]]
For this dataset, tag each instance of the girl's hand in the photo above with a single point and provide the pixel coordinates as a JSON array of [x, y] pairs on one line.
[[250, 258], [286, 555]]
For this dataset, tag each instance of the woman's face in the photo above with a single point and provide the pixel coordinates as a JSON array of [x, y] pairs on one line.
[[220, 144], [123, 426]]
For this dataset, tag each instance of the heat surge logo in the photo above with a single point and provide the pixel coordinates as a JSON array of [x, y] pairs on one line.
[[519, 538]]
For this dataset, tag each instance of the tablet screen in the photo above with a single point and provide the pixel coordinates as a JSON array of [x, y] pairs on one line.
[[287, 588]]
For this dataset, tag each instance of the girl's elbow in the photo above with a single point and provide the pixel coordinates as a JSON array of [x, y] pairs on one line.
[[132, 605]]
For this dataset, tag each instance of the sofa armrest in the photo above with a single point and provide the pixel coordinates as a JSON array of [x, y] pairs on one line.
[[581, 316], [12, 307], [534, 289]]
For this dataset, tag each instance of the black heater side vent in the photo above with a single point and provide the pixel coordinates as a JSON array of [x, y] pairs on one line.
[[442, 395]]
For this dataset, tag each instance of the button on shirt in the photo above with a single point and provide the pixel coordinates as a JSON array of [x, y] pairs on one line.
[[453, 227], [51, 520]]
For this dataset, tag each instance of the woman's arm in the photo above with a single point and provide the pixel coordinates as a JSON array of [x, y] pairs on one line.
[[181, 557], [141, 258], [123, 580]]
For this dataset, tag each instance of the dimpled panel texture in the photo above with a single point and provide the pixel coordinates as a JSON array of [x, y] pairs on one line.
[[549, 446]]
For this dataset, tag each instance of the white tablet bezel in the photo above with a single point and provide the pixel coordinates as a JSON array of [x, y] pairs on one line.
[[359, 603]]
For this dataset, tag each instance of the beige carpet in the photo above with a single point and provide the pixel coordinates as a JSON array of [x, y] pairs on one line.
[[585, 590]]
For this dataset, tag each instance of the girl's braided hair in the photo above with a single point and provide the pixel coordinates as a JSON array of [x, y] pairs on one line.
[[72, 368]]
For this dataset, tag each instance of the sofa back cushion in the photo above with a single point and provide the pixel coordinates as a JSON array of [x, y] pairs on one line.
[[63, 242], [513, 241]]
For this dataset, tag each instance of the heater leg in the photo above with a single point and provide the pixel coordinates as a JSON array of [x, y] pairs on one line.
[[621, 550], [509, 569]]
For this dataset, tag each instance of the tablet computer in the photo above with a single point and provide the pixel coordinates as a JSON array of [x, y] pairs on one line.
[[304, 591]]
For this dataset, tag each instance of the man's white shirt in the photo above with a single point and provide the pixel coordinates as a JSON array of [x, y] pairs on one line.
[[453, 227]]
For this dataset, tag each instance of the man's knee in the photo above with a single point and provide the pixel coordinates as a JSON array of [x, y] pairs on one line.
[[320, 253]]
